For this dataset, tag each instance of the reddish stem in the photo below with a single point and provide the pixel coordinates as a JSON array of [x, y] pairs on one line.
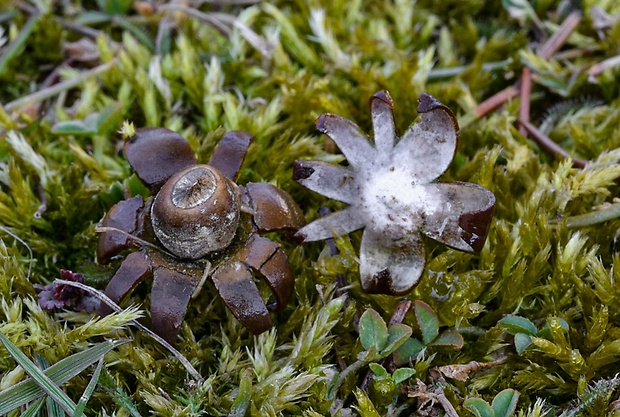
[[548, 145], [559, 38], [496, 100]]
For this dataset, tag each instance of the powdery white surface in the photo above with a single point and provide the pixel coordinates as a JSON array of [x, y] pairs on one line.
[[392, 191]]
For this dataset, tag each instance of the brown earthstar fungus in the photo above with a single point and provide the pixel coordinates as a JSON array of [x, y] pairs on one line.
[[198, 223], [392, 192]]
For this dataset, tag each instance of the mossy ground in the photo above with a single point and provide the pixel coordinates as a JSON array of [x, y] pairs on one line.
[[271, 69]]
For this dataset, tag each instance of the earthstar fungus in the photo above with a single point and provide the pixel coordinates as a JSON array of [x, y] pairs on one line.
[[198, 223], [391, 187]]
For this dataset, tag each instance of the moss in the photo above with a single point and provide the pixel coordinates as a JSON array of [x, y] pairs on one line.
[[280, 67]]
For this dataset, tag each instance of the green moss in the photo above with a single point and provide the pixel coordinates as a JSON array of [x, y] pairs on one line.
[[282, 66]]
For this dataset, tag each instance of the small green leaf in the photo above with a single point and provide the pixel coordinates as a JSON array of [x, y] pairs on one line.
[[427, 320], [364, 406], [449, 338], [479, 407], [397, 335], [377, 369], [408, 351], [109, 119], [114, 7], [89, 18], [373, 330], [242, 401], [505, 403], [522, 342], [136, 187], [518, 324], [402, 374], [73, 127], [545, 331]]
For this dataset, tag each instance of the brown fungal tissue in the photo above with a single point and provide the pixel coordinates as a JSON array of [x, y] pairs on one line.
[[198, 223], [391, 187]]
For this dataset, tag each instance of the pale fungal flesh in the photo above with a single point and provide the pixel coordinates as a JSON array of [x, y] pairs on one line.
[[391, 187]]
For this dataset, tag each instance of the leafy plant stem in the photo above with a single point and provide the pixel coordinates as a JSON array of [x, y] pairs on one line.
[[595, 217], [354, 367]]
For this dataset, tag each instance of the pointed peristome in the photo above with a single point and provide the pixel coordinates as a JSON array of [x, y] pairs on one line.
[[230, 153], [156, 154]]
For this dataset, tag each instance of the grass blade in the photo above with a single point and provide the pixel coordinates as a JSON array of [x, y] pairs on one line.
[[79, 410], [53, 409], [37, 374], [19, 43], [60, 372], [34, 408]]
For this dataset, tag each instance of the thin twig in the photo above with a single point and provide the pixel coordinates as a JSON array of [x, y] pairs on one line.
[[610, 212], [82, 30], [105, 229], [20, 240], [44, 201], [547, 50], [205, 17], [58, 88], [549, 145], [438, 74], [400, 311], [496, 100], [597, 69], [397, 317], [102, 297], [560, 36]]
